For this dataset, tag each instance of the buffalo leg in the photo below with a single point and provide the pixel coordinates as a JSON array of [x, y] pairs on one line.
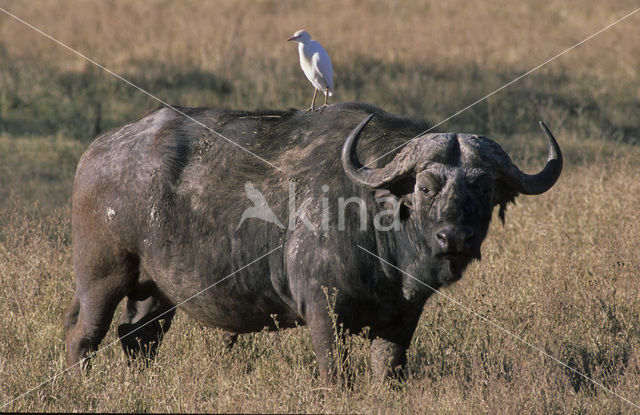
[[324, 346], [142, 325], [87, 321], [327, 339], [71, 316], [102, 281], [388, 359]]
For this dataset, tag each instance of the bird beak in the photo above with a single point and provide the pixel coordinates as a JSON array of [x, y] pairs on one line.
[[291, 38]]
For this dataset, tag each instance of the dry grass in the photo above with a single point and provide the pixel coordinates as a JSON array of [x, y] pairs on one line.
[[561, 274]]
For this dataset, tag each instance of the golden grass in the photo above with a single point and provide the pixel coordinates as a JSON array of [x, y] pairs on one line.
[[561, 274]]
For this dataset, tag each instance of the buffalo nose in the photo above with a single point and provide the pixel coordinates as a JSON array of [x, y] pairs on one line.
[[454, 239]]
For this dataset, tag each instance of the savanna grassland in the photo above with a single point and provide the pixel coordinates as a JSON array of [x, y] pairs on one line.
[[563, 273]]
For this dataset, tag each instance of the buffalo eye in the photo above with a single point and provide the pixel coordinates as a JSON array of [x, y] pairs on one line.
[[424, 189]]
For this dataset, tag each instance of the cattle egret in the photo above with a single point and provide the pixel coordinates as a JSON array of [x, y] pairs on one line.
[[316, 65]]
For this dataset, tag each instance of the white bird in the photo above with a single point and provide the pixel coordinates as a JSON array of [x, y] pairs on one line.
[[316, 65]]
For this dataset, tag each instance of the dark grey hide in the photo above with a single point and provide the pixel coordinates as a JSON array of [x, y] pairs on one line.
[[157, 203]]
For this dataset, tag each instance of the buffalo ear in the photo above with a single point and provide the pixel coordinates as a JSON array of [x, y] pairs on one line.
[[405, 202], [403, 190], [502, 196]]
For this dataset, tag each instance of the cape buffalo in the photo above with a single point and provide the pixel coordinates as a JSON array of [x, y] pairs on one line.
[[158, 218]]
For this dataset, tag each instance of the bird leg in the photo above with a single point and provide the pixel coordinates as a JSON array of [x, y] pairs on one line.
[[326, 95], [313, 101]]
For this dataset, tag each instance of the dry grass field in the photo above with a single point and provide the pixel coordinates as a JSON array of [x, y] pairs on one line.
[[563, 273]]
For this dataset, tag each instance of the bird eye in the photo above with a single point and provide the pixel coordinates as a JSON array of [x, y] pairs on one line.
[[424, 189]]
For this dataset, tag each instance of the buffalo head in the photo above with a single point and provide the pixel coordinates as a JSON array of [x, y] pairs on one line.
[[449, 185]]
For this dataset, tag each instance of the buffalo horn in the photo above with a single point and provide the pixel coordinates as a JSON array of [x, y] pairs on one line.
[[364, 176], [535, 184]]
